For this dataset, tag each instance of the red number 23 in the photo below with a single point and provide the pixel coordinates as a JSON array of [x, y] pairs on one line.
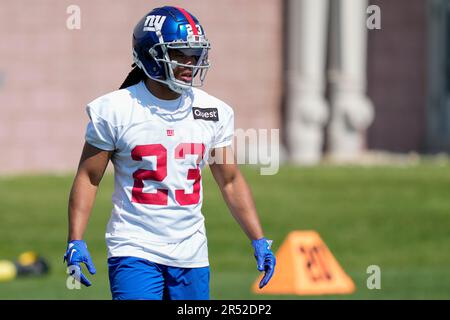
[[160, 173]]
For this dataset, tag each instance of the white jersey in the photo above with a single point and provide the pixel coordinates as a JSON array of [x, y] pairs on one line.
[[159, 148]]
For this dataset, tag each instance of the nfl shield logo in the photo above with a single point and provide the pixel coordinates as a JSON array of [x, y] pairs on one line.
[[170, 132]]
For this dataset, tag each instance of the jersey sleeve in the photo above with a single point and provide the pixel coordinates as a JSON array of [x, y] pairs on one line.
[[225, 130], [100, 133]]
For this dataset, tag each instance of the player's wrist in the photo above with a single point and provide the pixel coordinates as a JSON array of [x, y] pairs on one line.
[[76, 241], [74, 236], [262, 242], [256, 242]]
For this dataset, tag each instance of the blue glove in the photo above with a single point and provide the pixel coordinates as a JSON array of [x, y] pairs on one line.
[[77, 253], [265, 259]]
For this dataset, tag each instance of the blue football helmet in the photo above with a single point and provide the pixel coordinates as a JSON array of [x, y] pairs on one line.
[[170, 28]]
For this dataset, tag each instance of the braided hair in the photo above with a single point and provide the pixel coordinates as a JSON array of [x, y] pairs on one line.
[[135, 76]]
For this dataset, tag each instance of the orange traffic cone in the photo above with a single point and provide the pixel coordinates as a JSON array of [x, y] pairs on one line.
[[305, 266]]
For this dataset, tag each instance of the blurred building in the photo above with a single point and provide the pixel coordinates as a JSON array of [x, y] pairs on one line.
[[48, 72], [408, 76], [317, 32], [267, 56]]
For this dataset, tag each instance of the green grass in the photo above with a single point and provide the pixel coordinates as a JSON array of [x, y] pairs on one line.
[[396, 218]]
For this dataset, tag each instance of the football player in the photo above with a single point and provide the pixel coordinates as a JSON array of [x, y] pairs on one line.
[[159, 130]]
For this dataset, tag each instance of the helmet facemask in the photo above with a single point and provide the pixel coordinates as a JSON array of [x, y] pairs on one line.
[[197, 46]]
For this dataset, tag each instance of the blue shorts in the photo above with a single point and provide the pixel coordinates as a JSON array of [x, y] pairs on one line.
[[132, 278]]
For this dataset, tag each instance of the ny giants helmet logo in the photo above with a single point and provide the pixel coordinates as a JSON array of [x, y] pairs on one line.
[[153, 23]]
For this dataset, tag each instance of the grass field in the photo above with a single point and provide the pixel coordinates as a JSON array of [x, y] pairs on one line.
[[396, 218]]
